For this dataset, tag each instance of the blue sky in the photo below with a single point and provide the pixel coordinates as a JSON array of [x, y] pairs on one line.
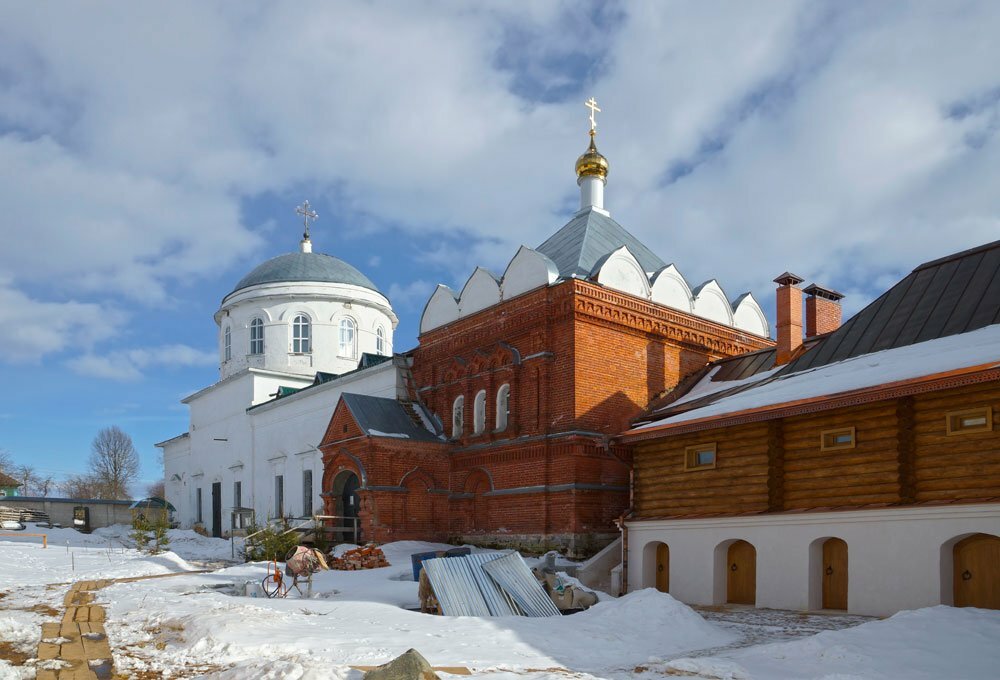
[[150, 155]]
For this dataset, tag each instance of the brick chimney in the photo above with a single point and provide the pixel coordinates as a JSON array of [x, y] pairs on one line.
[[789, 313], [823, 311]]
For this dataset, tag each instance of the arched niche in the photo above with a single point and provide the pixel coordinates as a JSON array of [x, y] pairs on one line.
[[671, 289], [482, 290], [528, 270], [710, 302], [748, 316], [441, 309], [621, 271]]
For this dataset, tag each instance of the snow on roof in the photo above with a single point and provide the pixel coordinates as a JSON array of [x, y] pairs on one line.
[[966, 350]]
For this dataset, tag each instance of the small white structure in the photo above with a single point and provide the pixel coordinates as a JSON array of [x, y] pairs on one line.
[[294, 334]]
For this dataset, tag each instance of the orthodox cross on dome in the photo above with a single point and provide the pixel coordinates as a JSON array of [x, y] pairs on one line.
[[308, 215], [592, 105]]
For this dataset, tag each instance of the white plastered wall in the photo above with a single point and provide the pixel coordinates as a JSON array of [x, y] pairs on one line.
[[710, 302], [621, 271], [671, 289], [482, 290], [750, 317], [441, 309], [898, 558], [528, 270]]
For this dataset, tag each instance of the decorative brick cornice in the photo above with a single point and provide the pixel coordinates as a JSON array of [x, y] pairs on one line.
[[607, 305], [932, 383]]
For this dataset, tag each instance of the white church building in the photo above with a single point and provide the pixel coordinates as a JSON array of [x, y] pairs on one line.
[[294, 334]]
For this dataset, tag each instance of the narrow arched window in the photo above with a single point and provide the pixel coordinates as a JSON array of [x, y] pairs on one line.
[[301, 343], [457, 417], [503, 407], [479, 412], [256, 336], [380, 340], [227, 344], [347, 338]]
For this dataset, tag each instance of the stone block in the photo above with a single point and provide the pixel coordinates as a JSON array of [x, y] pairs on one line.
[[410, 665]]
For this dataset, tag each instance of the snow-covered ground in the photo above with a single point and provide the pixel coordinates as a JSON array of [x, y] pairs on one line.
[[194, 624]]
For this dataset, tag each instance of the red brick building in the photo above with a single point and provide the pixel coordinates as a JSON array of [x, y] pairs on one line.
[[519, 382]]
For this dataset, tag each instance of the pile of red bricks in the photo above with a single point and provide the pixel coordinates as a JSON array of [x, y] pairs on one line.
[[366, 557]]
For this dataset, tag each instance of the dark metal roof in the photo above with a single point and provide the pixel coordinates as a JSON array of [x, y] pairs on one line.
[[955, 294], [305, 267], [376, 415], [368, 360], [952, 295], [577, 247]]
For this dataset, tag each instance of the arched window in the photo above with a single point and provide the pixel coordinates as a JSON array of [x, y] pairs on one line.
[[301, 343], [479, 412], [503, 407], [457, 417], [380, 340], [347, 338], [257, 336], [227, 344]]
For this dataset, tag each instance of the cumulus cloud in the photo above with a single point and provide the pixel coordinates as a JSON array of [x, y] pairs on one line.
[[128, 365], [31, 328], [844, 141]]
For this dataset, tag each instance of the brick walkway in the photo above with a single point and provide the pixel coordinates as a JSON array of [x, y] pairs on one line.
[[79, 644]]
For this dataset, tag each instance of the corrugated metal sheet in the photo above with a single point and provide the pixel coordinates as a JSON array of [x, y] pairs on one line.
[[512, 574], [456, 589], [487, 584], [499, 602]]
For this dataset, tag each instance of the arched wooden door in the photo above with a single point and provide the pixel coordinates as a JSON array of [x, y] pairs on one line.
[[741, 577], [977, 572], [663, 568], [834, 574]]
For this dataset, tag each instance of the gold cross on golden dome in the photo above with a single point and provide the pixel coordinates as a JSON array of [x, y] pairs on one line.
[[592, 105]]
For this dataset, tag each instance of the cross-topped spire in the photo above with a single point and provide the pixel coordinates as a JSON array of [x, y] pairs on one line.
[[592, 105], [308, 215]]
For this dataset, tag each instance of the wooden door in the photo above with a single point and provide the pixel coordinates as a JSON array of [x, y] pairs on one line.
[[834, 574], [741, 580], [977, 572], [663, 568]]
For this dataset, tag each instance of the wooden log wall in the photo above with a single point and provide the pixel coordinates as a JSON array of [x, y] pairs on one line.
[[737, 484], [902, 455], [959, 466]]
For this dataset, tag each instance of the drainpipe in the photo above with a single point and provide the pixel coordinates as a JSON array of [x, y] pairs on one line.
[[624, 529]]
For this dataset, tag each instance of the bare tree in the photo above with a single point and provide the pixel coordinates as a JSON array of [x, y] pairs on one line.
[[44, 486], [6, 461], [114, 463], [156, 489], [26, 475], [81, 486]]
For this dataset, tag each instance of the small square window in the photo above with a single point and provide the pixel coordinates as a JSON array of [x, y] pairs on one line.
[[700, 457], [841, 438], [969, 421]]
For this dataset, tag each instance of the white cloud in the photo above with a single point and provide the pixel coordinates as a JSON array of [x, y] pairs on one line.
[[842, 141], [128, 365], [31, 328]]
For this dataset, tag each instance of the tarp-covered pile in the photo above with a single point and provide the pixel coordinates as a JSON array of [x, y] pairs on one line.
[[487, 584]]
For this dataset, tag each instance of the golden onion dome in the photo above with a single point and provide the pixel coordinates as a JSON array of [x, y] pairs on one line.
[[592, 163]]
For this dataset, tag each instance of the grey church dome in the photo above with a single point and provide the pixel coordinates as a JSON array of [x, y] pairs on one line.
[[305, 267]]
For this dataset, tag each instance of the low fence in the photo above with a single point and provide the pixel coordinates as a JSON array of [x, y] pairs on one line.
[[44, 537]]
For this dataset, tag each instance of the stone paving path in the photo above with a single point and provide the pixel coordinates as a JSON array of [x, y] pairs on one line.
[[77, 647]]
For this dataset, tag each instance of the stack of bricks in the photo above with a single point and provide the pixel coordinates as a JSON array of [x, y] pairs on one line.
[[367, 557]]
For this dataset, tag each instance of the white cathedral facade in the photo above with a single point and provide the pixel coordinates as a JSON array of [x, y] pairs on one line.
[[295, 333]]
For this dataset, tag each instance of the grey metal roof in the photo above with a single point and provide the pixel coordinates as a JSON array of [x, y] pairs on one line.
[[305, 267], [583, 241], [955, 294], [381, 416]]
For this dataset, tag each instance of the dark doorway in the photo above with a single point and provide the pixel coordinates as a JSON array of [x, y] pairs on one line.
[[217, 509], [346, 486]]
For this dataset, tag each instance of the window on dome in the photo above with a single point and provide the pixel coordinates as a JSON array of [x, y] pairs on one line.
[[380, 340], [347, 338], [301, 335], [457, 417], [479, 412], [227, 344], [503, 407], [256, 336]]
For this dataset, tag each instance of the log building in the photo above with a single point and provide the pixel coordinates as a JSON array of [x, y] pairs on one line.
[[858, 470]]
